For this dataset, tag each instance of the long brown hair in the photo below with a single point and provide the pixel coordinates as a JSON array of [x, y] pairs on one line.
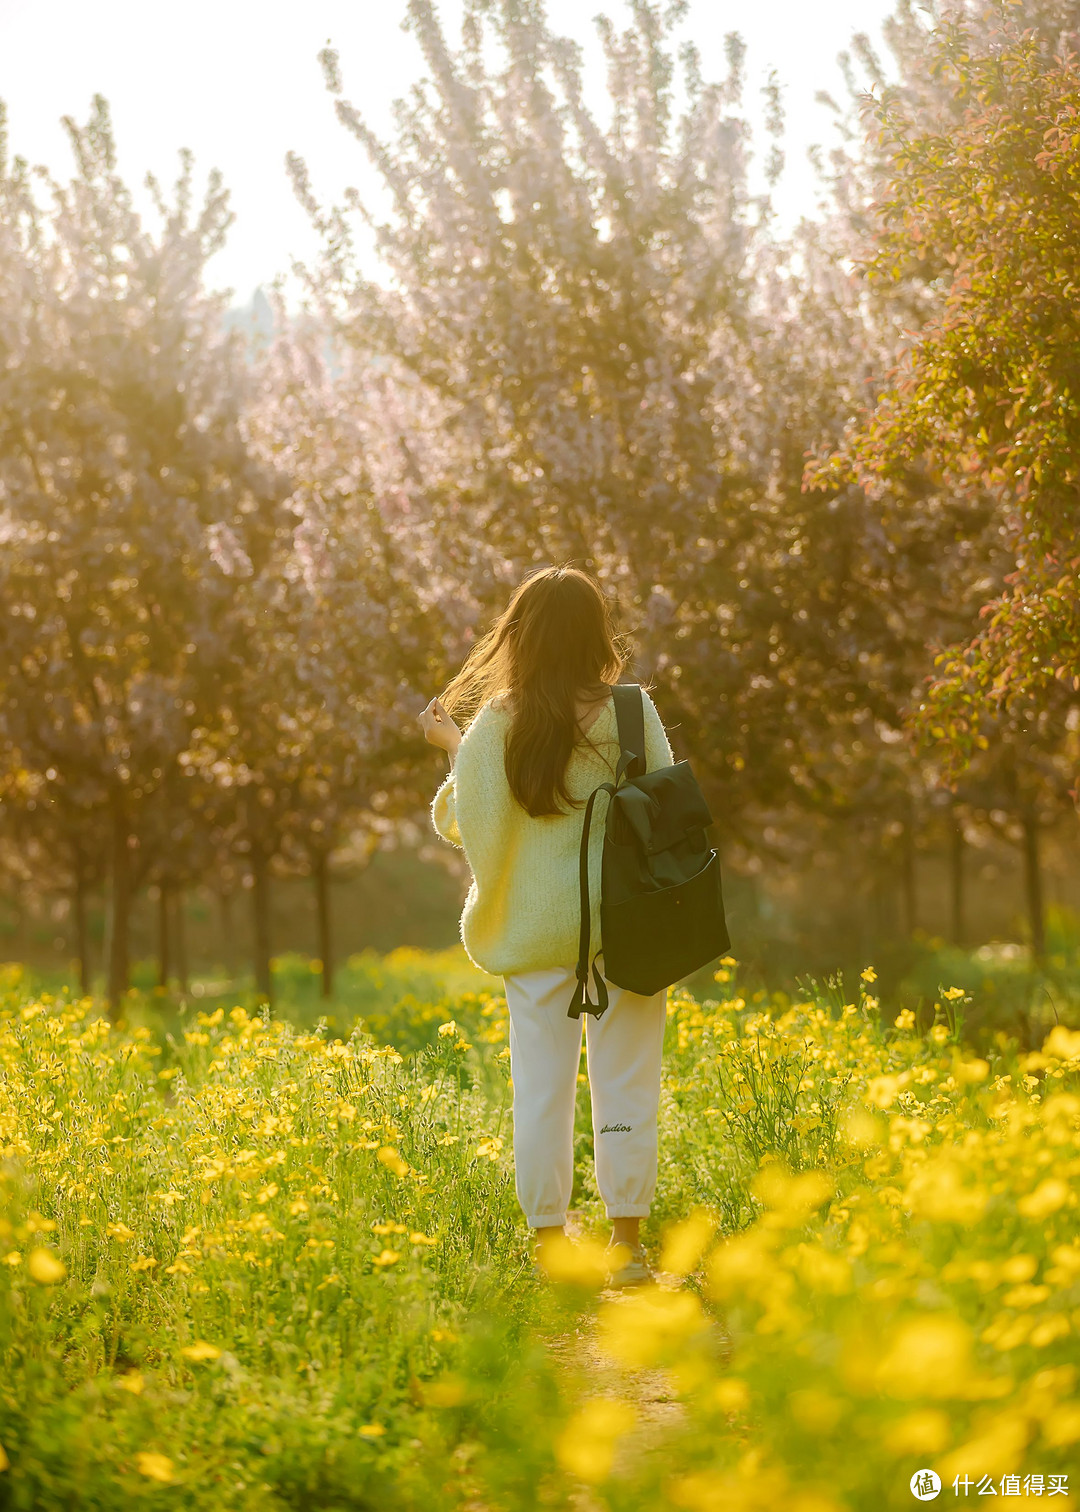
[[553, 644]]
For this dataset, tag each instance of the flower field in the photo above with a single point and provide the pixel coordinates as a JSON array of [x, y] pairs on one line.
[[244, 1265]]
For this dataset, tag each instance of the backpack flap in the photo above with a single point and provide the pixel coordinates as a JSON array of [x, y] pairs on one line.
[[662, 911], [658, 810]]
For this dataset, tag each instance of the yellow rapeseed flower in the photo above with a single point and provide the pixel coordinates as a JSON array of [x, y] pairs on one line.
[[586, 1446], [868, 974], [927, 1356], [740, 1265], [448, 1391], [46, 1267], [392, 1160], [157, 1467], [1018, 1268], [998, 1448], [386, 1257], [686, 1242], [640, 1328], [937, 1191], [1047, 1197], [860, 1127], [1062, 1044], [816, 1410], [372, 1431], [731, 1394], [1062, 1425], [881, 1091], [925, 1431], [791, 1198], [585, 1262], [201, 1351]]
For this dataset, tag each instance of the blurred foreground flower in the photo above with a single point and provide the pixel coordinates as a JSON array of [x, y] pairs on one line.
[[1062, 1044], [581, 1262], [392, 1160], [201, 1350], [586, 1446], [791, 1199], [45, 1267], [686, 1242], [157, 1467], [928, 1356], [648, 1324]]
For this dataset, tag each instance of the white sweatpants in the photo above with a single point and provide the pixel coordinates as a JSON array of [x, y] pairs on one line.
[[624, 1050]]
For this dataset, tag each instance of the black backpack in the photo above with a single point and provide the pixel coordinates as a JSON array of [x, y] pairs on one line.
[[661, 905]]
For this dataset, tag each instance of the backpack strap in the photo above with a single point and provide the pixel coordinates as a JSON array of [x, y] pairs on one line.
[[630, 716], [580, 1003]]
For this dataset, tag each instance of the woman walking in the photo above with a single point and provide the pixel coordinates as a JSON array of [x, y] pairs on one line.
[[543, 736]]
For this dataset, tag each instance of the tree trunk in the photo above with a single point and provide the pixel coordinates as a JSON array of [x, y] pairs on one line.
[[82, 931], [180, 934], [164, 952], [879, 907], [228, 957], [1033, 888], [261, 903], [320, 872], [119, 905], [956, 883], [908, 890]]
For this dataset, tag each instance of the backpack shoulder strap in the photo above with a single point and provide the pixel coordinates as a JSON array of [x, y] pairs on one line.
[[630, 714]]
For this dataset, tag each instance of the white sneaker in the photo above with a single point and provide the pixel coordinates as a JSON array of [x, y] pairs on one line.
[[635, 1271]]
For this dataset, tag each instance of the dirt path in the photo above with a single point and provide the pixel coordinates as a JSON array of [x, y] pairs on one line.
[[651, 1392]]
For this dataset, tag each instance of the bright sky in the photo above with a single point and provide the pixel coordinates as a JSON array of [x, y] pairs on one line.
[[238, 82]]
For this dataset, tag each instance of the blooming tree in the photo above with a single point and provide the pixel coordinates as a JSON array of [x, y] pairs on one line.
[[126, 490]]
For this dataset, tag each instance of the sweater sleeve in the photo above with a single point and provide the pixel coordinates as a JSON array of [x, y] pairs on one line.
[[658, 751], [467, 790], [444, 811]]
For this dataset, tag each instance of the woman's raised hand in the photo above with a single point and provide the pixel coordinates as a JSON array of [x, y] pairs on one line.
[[439, 728]]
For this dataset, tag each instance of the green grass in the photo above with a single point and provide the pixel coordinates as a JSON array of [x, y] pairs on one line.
[[250, 1262]]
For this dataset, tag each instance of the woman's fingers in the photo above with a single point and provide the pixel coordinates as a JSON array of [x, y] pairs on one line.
[[436, 724]]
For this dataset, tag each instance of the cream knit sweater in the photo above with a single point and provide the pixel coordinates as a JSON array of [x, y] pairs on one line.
[[522, 912]]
